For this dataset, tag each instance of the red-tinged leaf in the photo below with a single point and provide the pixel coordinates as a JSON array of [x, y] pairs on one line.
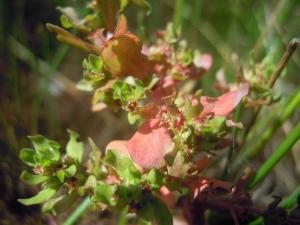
[[204, 61], [121, 26], [122, 56], [225, 104], [119, 145], [150, 144], [162, 90], [167, 197], [202, 186]]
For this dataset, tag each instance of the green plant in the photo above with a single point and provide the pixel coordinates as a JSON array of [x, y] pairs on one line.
[[161, 168]]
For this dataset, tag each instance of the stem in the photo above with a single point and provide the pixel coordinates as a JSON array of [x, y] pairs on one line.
[[257, 146], [291, 200], [178, 15], [231, 151], [78, 211], [282, 150], [287, 203], [292, 46]]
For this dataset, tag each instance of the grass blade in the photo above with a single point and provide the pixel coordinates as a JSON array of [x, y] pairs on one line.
[[78, 212], [178, 13], [287, 203], [282, 150], [259, 144]]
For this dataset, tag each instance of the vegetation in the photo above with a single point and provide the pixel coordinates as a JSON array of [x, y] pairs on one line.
[[189, 156]]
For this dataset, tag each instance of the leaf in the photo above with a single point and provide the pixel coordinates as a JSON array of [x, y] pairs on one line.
[[155, 178], [123, 3], [123, 166], [126, 92], [122, 24], [93, 63], [179, 167], [27, 156], [60, 204], [71, 171], [122, 56], [47, 151], [190, 111], [133, 118], [104, 193], [91, 182], [162, 214], [84, 85], [33, 179], [146, 214], [224, 104], [61, 174], [41, 197], [69, 38], [65, 22], [214, 126], [74, 147], [150, 144]]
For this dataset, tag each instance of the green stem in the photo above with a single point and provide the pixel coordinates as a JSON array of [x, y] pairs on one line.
[[237, 116], [78, 212], [178, 13], [258, 145], [282, 150], [287, 203], [291, 48]]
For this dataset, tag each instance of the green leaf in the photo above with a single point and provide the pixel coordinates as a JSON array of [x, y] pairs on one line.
[[123, 166], [84, 85], [65, 22], [27, 156], [33, 179], [214, 126], [91, 182], [162, 214], [133, 118], [124, 3], [60, 204], [71, 171], [41, 197], [61, 174], [95, 159], [128, 90], [129, 192], [179, 167], [93, 64], [155, 178], [190, 111], [139, 89], [104, 193], [74, 147], [47, 151], [146, 214]]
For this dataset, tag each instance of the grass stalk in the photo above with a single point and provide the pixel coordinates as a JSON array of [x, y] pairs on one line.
[[178, 13], [73, 218], [272, 161], [291, 48], [287, 203], [258, 145]]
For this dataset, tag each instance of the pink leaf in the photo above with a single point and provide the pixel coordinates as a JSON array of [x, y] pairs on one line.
[[150, 144], [224, 104]]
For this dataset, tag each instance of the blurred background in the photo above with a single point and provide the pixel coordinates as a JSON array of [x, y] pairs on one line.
[[38, 76]]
